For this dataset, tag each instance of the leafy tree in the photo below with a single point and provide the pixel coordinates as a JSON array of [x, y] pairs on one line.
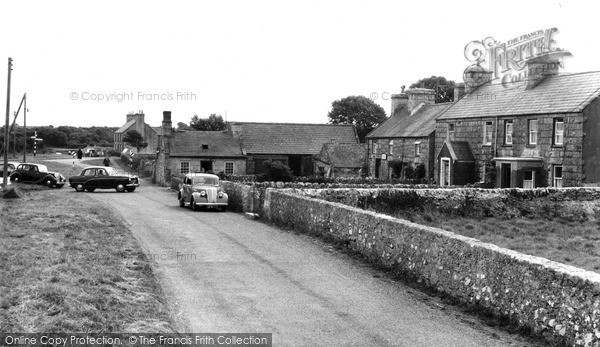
[[135, 139], [358, 110], [213, 123], [183, 126], [444, 89]]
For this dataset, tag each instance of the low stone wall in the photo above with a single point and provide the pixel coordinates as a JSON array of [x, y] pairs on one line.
[[558, 301], [244, 198]]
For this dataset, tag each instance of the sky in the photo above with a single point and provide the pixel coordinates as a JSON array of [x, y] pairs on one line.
[[90, 63]]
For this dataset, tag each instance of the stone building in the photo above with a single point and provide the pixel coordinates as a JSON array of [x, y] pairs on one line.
[[538, 132], [407, 136], [136, 121], [341, 160], [294, 144]]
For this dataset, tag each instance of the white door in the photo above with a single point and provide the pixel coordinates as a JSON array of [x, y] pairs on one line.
[[444, 172]]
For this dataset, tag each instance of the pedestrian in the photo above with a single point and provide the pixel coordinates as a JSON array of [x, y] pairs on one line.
[[79, 154], [106, 161]]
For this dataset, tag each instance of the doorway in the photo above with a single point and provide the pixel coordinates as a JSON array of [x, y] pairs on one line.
[[445, 172], [206, 166], [377, 167], [505, 172]]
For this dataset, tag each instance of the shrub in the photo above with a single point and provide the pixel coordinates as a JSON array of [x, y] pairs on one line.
[[396, 166], [278, 171]]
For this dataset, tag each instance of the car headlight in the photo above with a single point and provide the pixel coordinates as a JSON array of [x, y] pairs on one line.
[[220, 195], [203, 193]]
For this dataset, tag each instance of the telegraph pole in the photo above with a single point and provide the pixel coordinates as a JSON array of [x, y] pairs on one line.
[[24, 126], [6, 142]]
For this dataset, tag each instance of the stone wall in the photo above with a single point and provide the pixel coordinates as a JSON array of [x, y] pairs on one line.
[[558, 301]]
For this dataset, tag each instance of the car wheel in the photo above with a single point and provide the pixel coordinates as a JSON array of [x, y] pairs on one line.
[[120, 187], [91, 190], [16, 178], [193, 206], [79, 187], [130, 189], [49, 182], [181, 202]]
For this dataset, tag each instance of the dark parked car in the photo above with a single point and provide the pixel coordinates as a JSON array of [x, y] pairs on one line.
[[102, 177], [37, 174]]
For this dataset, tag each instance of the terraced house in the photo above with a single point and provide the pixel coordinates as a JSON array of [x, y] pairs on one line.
[[543, 131], [407, 137]]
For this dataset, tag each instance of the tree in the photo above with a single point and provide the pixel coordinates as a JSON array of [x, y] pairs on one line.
[[213, 123], [358, 110], [277, 171], [183, 126], [444, 89], [135, 139]]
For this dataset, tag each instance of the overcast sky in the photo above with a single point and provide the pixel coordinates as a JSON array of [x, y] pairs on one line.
[[263, 61]]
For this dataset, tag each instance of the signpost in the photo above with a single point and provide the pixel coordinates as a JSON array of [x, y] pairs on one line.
[[6, 142], [35, 141]]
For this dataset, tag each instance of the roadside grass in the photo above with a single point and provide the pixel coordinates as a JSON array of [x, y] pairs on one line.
[[68, 264], [575, 243]]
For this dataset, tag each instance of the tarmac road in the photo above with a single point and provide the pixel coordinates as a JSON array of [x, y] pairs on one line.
[[223, 272]]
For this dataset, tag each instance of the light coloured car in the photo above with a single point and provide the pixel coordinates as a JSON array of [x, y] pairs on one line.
[[202, 190]]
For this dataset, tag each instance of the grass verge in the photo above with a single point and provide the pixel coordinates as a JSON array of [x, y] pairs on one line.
[[68, 264]]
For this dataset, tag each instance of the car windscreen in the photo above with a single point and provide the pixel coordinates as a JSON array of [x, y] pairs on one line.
[[203, 181]]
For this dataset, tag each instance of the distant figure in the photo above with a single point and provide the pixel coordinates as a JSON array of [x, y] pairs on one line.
[[106, 161], [79, 154]]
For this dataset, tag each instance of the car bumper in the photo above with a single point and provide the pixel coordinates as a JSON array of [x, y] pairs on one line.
[[133, 185], [210, 203]]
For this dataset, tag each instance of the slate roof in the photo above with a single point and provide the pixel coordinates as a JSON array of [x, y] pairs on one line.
[[563, 93], [402, 124], [293, 138], [220, 144], [350, 155], [460, 150], [125, 126]]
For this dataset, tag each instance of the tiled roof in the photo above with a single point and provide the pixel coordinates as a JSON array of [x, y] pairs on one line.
[[402, 124], [561, 93], [157, 130], [293, 138], [343, 154], [125, 127], [220, 144]]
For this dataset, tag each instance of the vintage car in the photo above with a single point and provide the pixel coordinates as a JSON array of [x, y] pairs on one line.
[[202, 190], [37, 174], [103, 177]]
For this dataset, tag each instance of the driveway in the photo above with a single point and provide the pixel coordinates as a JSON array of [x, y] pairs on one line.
[[223, 272]]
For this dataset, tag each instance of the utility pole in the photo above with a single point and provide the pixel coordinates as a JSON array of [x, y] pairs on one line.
[[24, 126], [6, 142]]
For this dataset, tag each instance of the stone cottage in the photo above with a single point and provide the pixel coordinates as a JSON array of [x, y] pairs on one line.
[[341, 160], [136, 121], [407, 136], [542, 131]]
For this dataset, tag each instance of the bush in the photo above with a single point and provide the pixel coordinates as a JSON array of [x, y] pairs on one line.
[[396, 166], [277, 171]]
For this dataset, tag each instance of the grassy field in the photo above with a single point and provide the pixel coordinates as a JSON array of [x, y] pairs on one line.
[[68, 264], [570, 242]]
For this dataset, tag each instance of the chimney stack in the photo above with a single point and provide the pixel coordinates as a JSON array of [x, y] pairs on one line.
[[418, 96], [459, 91], [474, 77], [399, 100], [166, 123], [538, 68]]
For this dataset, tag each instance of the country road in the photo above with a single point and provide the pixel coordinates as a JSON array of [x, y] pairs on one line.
[[223, 272]]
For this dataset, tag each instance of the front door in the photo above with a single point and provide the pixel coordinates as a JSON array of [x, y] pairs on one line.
[[444, 172], [377, 167], [505, 172]]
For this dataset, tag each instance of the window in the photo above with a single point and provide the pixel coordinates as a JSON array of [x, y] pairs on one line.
[[559, 131], [417, 148], [533, 131], [184, 167], [373, 144], [391, 149], [229, 168], [508, 132], [529, 179], [451, 131], [487, 133], [557, 181]]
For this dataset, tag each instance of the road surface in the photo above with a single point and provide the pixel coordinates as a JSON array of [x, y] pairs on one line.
[[223, 272]]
